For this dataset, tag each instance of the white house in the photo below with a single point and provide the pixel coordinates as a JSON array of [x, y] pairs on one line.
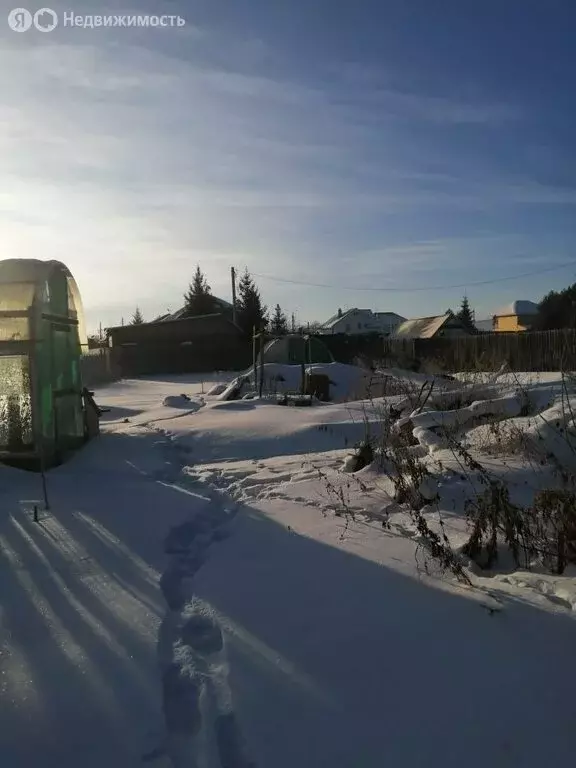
[[358, 321]]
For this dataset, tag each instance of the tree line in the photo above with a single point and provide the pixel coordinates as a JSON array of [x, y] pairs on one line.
[[557, 308], [252, 312], [250, 309]]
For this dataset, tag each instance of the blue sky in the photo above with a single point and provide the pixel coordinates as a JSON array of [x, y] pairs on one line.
[[383, 144]]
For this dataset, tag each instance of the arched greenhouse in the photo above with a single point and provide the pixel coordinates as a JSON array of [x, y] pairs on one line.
[[41, 333]]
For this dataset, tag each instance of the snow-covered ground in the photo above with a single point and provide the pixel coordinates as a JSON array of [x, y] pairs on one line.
[[193, 520]]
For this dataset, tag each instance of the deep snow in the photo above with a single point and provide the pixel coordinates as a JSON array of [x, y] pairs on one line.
[[337, 651]]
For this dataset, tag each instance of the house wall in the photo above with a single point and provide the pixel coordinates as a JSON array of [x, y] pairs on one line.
[[205, 354], [180, 346], [514, 323], [359, 322], [174, 331], [355, 322], [387, 324]]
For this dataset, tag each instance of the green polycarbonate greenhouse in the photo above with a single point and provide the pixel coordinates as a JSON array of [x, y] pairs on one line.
[[41, 332], [296, 349]]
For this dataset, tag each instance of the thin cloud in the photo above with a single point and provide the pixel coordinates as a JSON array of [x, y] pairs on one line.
[[119, 158]]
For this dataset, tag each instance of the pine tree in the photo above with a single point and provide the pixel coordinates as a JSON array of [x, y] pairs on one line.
[[279, 322], [250, 312], [465, 315], [198, 298], [137, 317]]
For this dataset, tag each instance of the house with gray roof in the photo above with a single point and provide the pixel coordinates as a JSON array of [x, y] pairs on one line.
[[221, 306], [361, 321]]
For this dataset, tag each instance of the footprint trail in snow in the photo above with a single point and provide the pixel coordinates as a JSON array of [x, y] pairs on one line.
[[196, 696]]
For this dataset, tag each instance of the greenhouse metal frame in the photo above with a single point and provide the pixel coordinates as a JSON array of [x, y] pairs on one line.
[[41, 335]]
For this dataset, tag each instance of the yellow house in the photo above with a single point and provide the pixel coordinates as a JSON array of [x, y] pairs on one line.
[[519, 316]]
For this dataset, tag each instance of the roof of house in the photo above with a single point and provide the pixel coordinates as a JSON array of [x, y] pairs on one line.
[[520, 307], [219, 304], [198, 323], [421, 327], [337, 318], [390, 315]]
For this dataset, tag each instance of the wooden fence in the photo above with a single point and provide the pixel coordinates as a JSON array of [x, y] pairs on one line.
[[98, 366], [540, 351], [203, 354], [347, 347]]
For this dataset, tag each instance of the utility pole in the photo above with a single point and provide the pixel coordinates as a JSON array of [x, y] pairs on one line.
[[293, 322], [233, 275], [255, 355], [262, 344]]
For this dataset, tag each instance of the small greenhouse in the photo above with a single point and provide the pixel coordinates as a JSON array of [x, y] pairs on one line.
[[41, 332], [296, 349]]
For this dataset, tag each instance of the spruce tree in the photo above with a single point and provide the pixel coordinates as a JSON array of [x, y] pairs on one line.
[[137, 317], [279, 322], [465, 315], [250, 310], [198, 298]]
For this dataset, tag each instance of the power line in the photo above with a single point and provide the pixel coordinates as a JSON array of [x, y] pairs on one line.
[[417, 288]]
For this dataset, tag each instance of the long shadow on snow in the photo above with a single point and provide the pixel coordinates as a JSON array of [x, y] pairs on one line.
[[92, 608], [339, 661], [71, 631], [88, 700], [118, 487], [116, 412]]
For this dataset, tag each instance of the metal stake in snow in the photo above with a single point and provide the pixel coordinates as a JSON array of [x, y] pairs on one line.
[[43, 473], [234, 311], [262, 341], [254, 355]]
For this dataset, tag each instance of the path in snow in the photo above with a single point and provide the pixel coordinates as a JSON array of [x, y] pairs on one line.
[[197, 701]]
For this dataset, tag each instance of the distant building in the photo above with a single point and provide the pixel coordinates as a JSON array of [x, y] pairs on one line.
[[190, 344], [518, 316], [221, 306], [359, 321], [437, 327], [484, 326], [388, 321]]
